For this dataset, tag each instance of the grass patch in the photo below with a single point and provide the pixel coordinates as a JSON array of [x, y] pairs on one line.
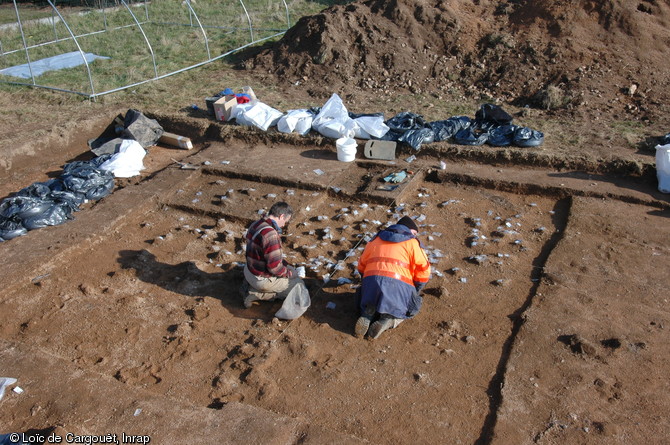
[[172, 37]]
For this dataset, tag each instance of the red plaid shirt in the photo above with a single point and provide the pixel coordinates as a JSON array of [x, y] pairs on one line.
[[264, 255]]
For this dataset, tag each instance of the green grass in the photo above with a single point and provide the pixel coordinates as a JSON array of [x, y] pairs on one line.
[[173, 33]]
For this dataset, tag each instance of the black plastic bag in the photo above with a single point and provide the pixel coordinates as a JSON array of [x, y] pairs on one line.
[[142, 129], [417, 137], [446, 129], [493, 114], [468, 136], [23, 206], [89, 181], [392, 136], [11, 228], [527, 137], [502, 136], [405, 121], [53, 215]]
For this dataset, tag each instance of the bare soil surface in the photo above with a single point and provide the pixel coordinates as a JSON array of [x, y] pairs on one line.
[[545, 319]]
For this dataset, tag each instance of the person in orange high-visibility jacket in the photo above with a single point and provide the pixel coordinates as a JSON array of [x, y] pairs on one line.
[[395, 269]]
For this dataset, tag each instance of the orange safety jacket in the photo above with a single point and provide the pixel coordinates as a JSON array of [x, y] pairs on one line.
[[405, 261]]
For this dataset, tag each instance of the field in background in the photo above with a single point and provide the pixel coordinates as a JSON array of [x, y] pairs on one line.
[[144, 41]]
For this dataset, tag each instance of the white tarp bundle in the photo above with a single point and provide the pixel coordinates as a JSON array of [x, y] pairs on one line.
[[128, 161]]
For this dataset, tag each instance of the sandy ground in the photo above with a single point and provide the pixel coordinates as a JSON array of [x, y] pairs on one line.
[[546, 306], [544, 321]]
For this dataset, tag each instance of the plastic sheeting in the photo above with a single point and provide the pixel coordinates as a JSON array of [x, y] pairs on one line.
[[52, 202], [39, 67]]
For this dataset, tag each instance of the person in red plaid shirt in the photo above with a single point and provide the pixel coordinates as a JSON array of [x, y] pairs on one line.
[[267, 275]]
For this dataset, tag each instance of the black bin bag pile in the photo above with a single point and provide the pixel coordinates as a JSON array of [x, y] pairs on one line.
[[53, 202], [491, 125]]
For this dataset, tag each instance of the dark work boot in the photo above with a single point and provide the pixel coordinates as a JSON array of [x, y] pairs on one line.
[[363, 322], [384, 323]]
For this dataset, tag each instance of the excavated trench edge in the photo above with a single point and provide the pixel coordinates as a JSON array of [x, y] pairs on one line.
[[562, 207], [500, 156]]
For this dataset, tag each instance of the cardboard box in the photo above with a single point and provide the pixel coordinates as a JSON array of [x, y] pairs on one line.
[[176, 140], [223, 107]]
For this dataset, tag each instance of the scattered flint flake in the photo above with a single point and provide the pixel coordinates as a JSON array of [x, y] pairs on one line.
[[336, 189], [206, 163], [517, 241], [499, 282], [344, 280], [446, 203], [318, 172], [18, 390], [219, 265], [454, 269], [195, 200], [271, 195], [421, 218], [508, 224], [290, 192], [551, 212], [326, 278], [540, 229], [430, 238], [438, 234], [443, 165], [438, 273], [532, 204], [479, 259], [410, 159], [308, 208], [330, 305], [374, 221], [363, 206], [463, 280], [137, 412], [225, 162], [198, 194], [261, 211], [363, 226], [322, 217], [355, 212]]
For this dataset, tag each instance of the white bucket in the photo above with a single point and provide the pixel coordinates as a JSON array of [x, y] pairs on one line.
[[346, 149], [663, 167]]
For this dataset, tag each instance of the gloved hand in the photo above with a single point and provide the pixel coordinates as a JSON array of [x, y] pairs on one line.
[[396, 177]]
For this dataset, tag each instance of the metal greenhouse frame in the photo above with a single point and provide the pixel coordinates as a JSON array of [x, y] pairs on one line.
[[139, 20]]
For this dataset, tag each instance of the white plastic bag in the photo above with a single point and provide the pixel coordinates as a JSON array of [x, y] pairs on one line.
[[663, 167], [333, 120], [367, 127], [4, 383], [295, 304], [299, 121], [128, 161], [256, 114]]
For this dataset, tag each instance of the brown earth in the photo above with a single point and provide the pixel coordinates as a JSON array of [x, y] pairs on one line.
[[545, 319]]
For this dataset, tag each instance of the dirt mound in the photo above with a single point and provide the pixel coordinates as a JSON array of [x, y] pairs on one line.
[[550, 54]]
